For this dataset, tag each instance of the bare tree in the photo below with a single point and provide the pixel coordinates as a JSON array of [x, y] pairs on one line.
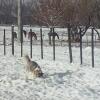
[[7, 8], [48, 12]]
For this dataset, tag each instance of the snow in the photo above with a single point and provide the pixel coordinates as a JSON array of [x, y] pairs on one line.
[[62, 80]]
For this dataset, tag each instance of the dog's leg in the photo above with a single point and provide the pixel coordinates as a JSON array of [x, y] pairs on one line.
[[33, 74], [26, 75]]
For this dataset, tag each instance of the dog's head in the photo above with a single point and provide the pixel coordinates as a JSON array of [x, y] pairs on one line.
[[38, 72]]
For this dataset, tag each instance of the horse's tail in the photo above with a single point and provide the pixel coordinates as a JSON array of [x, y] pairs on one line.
[[25, 33], [35, 36]]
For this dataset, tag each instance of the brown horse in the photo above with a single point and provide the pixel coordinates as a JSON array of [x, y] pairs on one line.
[[51, 34], [33, 34], [29, 34]]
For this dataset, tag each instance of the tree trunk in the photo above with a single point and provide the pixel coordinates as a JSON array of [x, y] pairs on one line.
[[19, 21]]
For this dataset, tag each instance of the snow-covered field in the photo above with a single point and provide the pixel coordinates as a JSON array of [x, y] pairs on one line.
[[62, 80]]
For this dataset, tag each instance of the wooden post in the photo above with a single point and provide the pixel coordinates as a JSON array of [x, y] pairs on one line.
[[12, 40], [69, 43], [31, 43], [4, 41], [81, 60], [41, 43], [53, 44], [92, 46]]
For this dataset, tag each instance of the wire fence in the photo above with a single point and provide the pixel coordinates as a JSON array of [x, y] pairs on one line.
[[7, 38]]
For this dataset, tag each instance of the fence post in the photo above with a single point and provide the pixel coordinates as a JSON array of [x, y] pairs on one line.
[[4, 41], [31, 43], [92, 46], [69, 43], [21, 41], [53, 44], [81, 60], [12, 40], [41, 43]]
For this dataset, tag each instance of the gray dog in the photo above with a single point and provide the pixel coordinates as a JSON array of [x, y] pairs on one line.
[[33, 67]]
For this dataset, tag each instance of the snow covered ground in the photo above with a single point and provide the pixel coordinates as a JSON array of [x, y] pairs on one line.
[[62, 80]]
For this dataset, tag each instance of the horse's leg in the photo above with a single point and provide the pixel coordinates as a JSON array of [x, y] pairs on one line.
[[35, 37], [57, 36]]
